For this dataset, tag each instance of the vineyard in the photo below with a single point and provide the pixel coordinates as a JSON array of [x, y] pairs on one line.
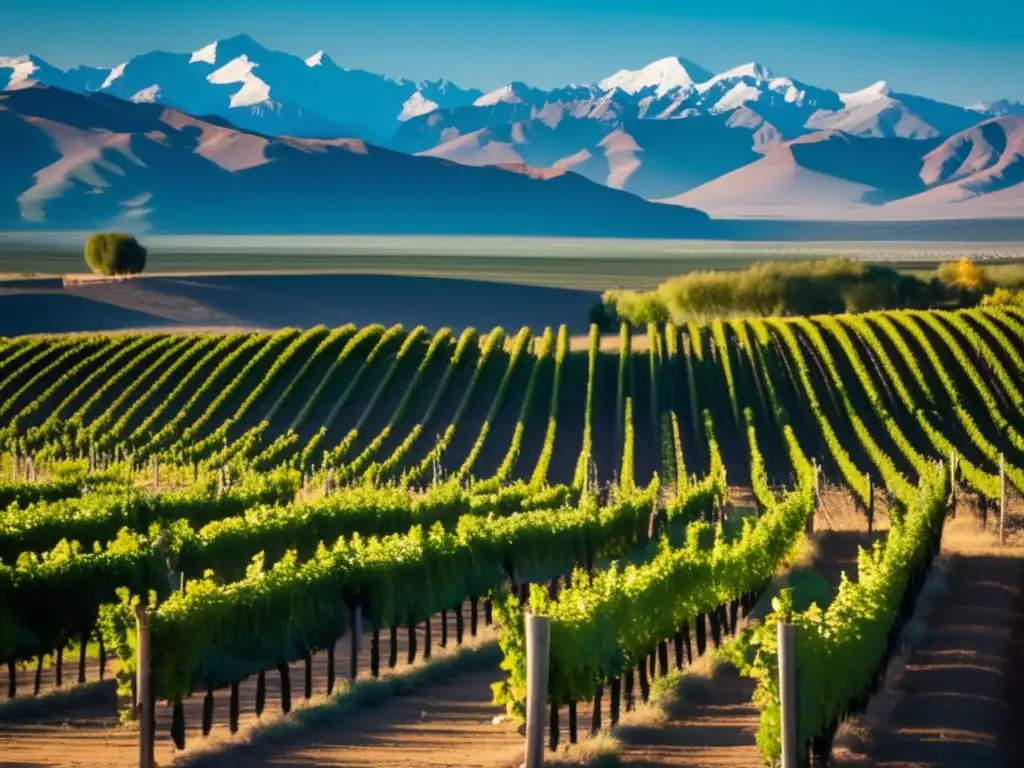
[[335, 503]]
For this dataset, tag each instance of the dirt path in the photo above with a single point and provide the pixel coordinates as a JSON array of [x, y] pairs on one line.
[[716, 731], [955, 700], [447, 724], [70, 732]]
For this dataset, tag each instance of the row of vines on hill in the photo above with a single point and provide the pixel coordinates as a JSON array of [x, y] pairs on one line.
[[394, 425]]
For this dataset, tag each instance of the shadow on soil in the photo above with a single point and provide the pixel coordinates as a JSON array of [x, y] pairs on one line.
[[276, 301], [958, 705], [62, 312]]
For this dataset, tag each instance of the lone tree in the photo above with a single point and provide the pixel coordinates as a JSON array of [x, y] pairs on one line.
[[115, 253]]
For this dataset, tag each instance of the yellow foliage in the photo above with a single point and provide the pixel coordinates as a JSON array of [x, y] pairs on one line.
[[1004, 297], [963, 273]]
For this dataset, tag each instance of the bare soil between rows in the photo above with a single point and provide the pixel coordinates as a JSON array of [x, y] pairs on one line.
[[220, 302], [957, 702]]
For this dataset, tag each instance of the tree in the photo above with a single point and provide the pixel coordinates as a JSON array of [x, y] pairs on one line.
[[868, 296], [965, 279], [604, 312], [114, 253], [963, 273]]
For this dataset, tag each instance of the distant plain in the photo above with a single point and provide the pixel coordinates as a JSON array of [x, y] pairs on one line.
[[230, 283], [592, 265]]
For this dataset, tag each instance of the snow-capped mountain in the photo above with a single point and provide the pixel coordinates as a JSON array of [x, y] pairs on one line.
[[706, 123], [27, 70], [658, 131], [660, 77], [256, 88], [84, 161], [999, 108]]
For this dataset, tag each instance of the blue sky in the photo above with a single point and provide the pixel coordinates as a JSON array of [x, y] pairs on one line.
[[959, 52]]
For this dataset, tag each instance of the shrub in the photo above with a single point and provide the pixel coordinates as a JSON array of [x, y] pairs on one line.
[[1004, 297], [825, 286], [115, 253], [637, 309]]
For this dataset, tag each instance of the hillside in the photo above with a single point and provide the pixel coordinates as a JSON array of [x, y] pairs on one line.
[[84, 161], [975, 174], [664, 130]]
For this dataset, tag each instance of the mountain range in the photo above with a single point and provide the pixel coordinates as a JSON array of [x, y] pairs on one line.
[[737, 144], [85, 161]]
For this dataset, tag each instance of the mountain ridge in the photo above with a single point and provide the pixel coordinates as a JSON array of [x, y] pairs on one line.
[[87, 161], [663, 131]]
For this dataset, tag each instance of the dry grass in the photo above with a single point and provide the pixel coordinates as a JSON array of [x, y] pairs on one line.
[[600, 751], [973, 530], [95, 693]]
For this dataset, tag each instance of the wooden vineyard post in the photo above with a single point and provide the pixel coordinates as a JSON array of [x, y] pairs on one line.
[[356, 641], [156, 473], [538, 647], [817, 496], [145, 705], [1002, 496], [787, 692], [871, 503], [952, 480]]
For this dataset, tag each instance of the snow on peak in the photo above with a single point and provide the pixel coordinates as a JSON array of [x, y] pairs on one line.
[[791, 92], [506, 94], [206, 54], [879, 90], [749, 71], [736, 97], [416, 105], [1000, 107], [23, 67], [146, 95], [663, 75], [239, 70], [316, 59], [115, 73]]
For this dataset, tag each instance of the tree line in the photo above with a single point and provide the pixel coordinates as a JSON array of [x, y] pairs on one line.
[[772, 288]]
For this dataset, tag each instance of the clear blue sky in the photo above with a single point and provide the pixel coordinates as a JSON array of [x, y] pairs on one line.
[[955, 51]]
